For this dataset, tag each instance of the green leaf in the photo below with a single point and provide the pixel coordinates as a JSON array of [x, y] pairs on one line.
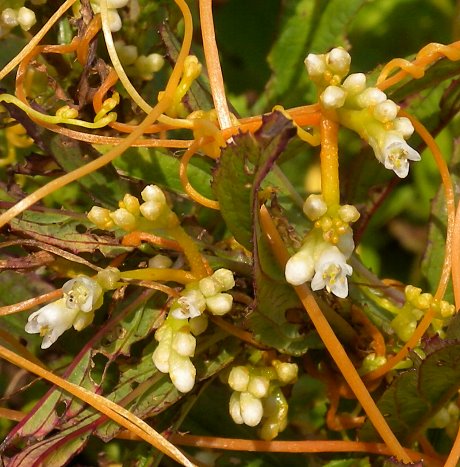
[[162, 168], [418, 394]]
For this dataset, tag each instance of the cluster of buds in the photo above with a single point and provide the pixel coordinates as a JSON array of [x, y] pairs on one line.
[[143, 66], [322, 259], [447, 418], [363, 109], [154, 212], [416, 305], [176, 345], [257, 396], [185, 320], [113, 16], [81, 297], [192, 70], [10, 18]]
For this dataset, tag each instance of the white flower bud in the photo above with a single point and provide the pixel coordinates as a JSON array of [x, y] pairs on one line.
[[300, 267], [403, 126], [108, 278], [151, 210], [100, 217], [150, 64], [333, 97], [153, 193], [235, 409], [287, 372], [370, 97], [338, 61], [209, 287], [355, 83], [316, 65], [161, 354], [251, 409], [386, 111], [225, 279], [160, 262], [83, 320], [182, 373], [26, 18], [124, 219], [114, 20], [348, 213], [131, 204], [238, 379], [198, 324], [184, 344], [314, 207], [219, 304], [258, 386], [9, 17]]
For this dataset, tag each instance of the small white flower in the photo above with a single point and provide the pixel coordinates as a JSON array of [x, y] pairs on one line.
[[51, 321], [394, 153], [331, 272], [190, 305], [83, 294]]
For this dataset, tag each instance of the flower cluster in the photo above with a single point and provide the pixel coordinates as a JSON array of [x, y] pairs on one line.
[[363, 109], [154, 212], [417, 304], [176, 345], [257, 396], [113, 15], [322, 259], [176, 336], [143, 66], [10, 18], [81, 297]]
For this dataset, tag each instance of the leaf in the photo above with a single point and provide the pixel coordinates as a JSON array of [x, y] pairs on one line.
[[242, 167], [162, 168], [62, 230], [418, 394], [433, 259]]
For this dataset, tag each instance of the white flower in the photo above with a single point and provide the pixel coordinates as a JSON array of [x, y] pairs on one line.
[[190, 305], [394, 153], [51, 321], [331, 272], [83, 294]]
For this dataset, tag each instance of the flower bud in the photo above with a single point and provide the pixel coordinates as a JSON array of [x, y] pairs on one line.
[[314, 207], [338, 61], [219, 304], [235, 408], [26, 18], [348, 213], [333, 97], [113, 4], [126, 53], [153, 193], [355, 83], [386, 111], [403, 126], [131, 204], [300, 268], [238, 379], [184, 344], [114, 20], [108, 278], [225, 279], [124, 219], [100, 217], [9, 17], [258, 386], [182, 372], [287, 372], [370, 97], [161, 354], [198, 324], [208, 286], [151, 210], [316, 65], [251, 409], [160, 262]]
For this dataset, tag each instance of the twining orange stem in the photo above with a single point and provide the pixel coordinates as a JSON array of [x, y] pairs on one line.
[[454, 455], [136, 238], [333, 345], [316, 446], [456, 259], [31, 302], [211, 54], [197, 197], [425, 57], [448, 254], [83, 48]]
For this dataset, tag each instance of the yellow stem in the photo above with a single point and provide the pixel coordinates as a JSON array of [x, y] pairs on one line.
[[164, 274], [333, 345], [329, 162]]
